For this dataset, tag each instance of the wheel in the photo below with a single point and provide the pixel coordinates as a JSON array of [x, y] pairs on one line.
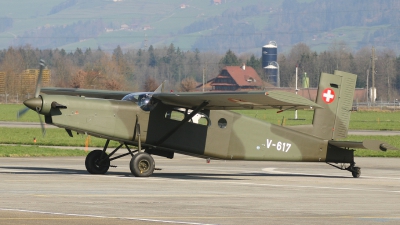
[[95, 164], [356, 172], [142, 165]]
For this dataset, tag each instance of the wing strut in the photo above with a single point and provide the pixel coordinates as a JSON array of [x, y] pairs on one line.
[[186, 119]]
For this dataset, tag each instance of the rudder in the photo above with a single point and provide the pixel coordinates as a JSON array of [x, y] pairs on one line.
[[335, 95]]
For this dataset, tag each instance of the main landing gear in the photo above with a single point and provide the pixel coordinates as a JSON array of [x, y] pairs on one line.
[[98, 161], [355, 171]]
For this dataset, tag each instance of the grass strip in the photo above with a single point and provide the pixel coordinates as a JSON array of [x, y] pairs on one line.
[[372, 153], [53, 137], [36, 151], [392, 140]]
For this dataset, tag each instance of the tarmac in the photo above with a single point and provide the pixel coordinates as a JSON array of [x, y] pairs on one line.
[[189, 190]]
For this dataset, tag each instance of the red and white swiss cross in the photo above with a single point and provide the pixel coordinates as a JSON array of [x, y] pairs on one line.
[[328, 95]]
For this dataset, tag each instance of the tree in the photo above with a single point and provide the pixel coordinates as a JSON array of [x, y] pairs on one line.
[[79, 57], [188, 84], [255, 63], [386, 73], [12, 65], [112, 84], [362, 59], [341, 53], [230, 59], [62, 70], [152, 57], [150, 84], [78, 80]]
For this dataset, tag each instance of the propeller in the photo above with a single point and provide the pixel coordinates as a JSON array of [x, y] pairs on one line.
[[37, 92], [41, 122]]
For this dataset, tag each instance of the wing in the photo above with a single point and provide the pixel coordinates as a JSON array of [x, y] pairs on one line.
[[118, 95], [237, 100]]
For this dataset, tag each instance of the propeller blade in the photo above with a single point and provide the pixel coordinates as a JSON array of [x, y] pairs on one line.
[[22, 112], [39, 79], [34, 103], [41, 123]]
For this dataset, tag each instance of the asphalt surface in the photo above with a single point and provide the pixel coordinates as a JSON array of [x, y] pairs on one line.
[[190, 191]]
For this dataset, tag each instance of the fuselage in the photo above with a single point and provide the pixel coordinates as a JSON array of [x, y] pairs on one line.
[[221, 134]]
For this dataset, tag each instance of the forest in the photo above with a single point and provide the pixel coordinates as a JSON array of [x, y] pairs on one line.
[[145, 69]]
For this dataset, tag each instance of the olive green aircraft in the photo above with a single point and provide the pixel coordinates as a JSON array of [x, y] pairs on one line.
[[201, 125]]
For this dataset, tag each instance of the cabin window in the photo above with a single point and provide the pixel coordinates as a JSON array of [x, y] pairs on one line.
[[179, 114], [222, 123]]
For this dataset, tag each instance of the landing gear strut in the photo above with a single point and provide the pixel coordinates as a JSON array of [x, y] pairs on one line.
[[98, 161], [355, 171]]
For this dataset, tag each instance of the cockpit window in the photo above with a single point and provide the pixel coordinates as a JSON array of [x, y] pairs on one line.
[[142, 99], [180, 113]]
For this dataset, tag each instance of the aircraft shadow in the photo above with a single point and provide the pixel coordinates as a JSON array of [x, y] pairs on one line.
[[52, 170], [183, 176], [40, 170], [238, 176]]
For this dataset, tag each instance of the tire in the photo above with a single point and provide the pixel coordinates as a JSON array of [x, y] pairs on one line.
[[142, 165], [356, 172], [92, 162]]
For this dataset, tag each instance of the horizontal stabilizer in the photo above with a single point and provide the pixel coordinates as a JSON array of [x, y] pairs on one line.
[[367, 144]]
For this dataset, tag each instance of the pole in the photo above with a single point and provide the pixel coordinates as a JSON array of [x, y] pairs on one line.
[[373, 76], [368, 88], [295, 112], [388, 90]]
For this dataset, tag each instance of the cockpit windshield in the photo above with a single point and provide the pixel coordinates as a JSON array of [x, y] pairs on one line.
[[140, 98]]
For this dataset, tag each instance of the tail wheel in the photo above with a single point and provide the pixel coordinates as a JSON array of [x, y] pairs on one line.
[[142, 165], [97, 162]]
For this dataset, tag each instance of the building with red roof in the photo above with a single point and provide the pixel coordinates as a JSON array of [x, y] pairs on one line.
[[237, 78]]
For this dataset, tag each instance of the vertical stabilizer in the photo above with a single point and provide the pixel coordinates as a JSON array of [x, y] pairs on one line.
[[335, 95], [160, 88]]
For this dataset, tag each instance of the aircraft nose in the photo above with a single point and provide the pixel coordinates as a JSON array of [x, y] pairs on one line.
[[33, 103]]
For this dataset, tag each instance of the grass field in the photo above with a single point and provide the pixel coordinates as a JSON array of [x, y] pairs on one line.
[[8, 112], [36, 151], [392, 140], [53, 137]]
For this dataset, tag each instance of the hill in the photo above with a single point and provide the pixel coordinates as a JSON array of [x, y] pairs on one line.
[[211, 25]]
